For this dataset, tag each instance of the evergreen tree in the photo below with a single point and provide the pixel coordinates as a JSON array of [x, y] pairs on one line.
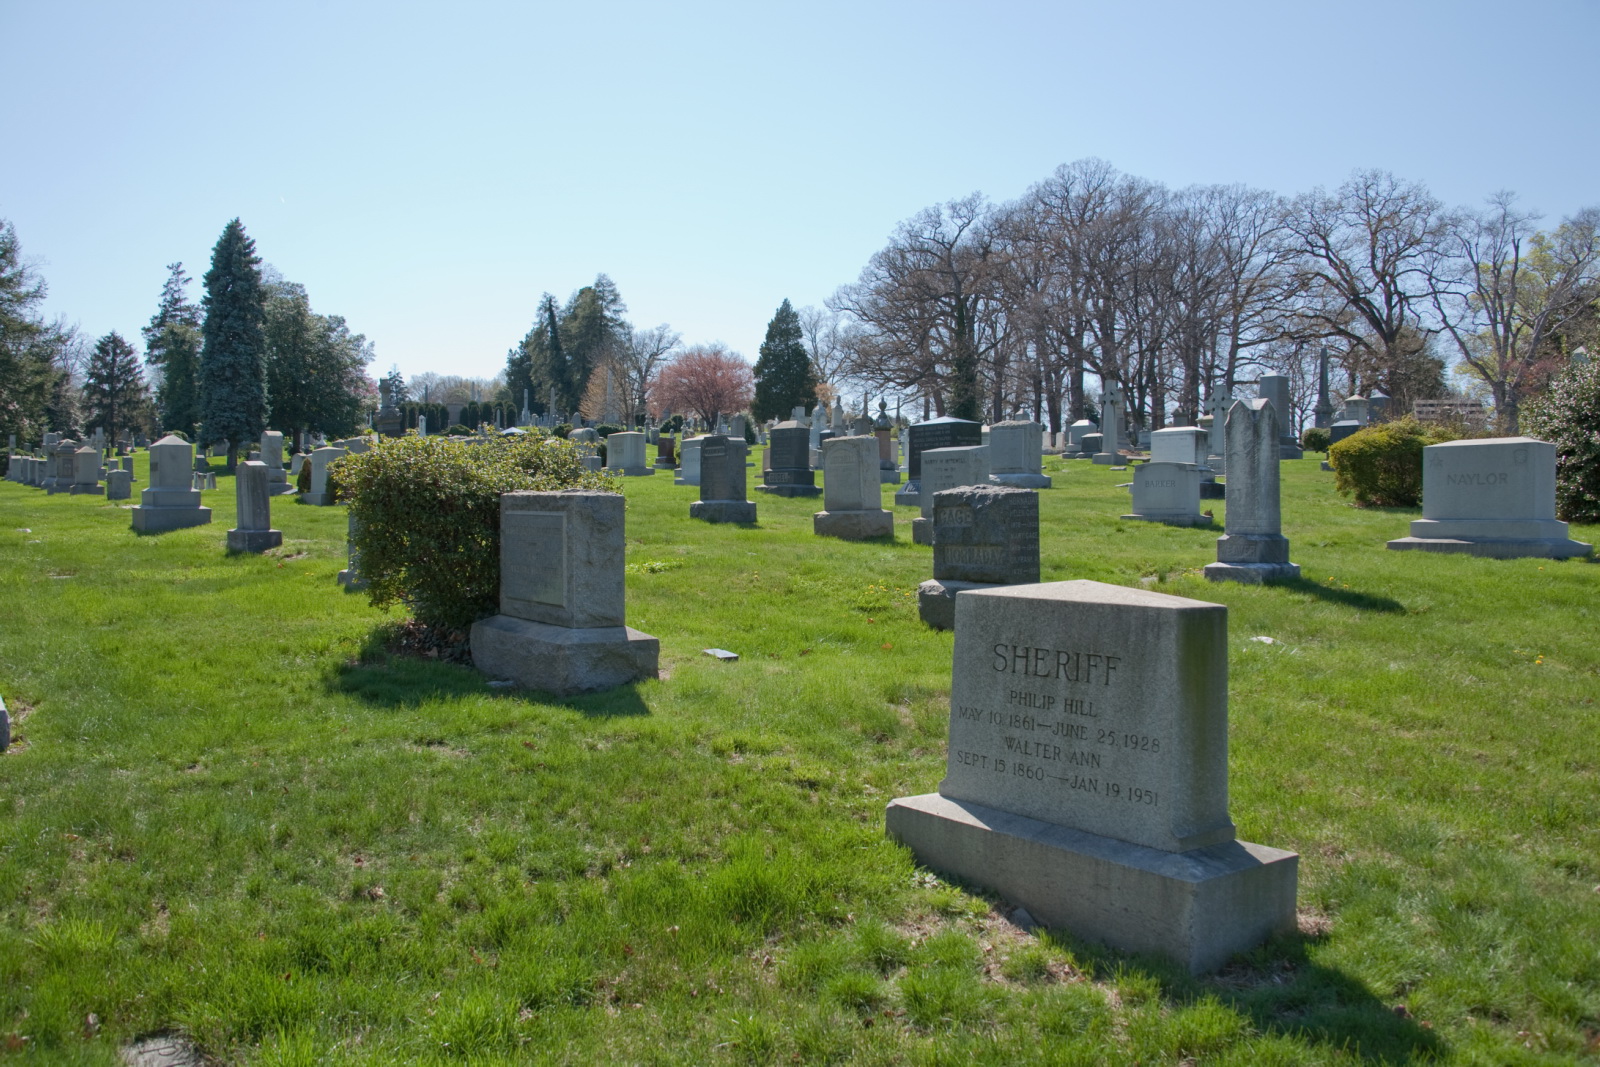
[[592, 327], [784, 375], [114, 393], [555, 363], [315, 366], [172, 347], [233, 365], [29, 377]]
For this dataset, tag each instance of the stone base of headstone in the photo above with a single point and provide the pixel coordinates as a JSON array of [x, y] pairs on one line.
[[1198, 907], [723, 510], [921, 531], [632, 472], [909, 495], [679, 479], [88, 490], [1252, 559], [888, 477], [151, 519], [1493, 538], [1326, 466], [594, 463], [1106, 459], [560, 660], [936, 600], [320, 500], [1174, 518], [853, 525], [253, 540], [666, 464], [1290, 452], [1213, 491], [790, 490], [1252, 573], [1022, 481]]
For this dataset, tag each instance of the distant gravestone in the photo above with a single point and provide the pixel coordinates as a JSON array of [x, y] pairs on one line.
[[666, 452], [722, 482], [1111, 443], [1075, 435], [350, 577], [943, 432], [689, 473], [272, 455], [1087, 776], [86, 473], [1016, 451], [1275, 387], [852, 499], [1491, 497], [170, 503], [790, 473], [119, 485], [1167, 493], [1252, 549], [625, 455], [1091, 444], [63, 472], [561, 627], [947, 468], [1178, 444], [253, 531], [983, 535], [321, 459]]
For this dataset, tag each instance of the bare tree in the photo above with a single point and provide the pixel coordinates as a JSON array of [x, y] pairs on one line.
[[639, 359]]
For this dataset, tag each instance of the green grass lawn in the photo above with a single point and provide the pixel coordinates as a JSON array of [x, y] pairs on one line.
[[229, 815]]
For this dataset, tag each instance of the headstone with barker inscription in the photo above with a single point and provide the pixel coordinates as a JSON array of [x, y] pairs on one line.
[[560, 627], [983, 535], [1087, 777]]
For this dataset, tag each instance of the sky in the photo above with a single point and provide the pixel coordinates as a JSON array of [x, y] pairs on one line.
[[428, 171]]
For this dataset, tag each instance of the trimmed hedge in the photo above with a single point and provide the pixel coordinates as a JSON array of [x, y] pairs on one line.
[[427, 516], [1568, 416], [1381, 466], [1315, 439]]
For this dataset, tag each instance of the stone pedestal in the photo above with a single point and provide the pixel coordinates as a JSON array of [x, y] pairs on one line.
[[1168, 493], [559, 660], [169, 503], [853, 498]]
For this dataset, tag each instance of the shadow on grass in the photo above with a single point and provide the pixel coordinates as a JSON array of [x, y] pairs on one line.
[[1281, 990], [1350, 598]]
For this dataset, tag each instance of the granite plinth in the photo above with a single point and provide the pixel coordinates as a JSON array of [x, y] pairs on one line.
[[853, 525], [1198, 907], [723, 510], [84, 489], [1496, 548], [560, 660], [1252, 573], [253, 540], [632, 472], [1176, 518], [148, 518], [1023, 481], [936, 600], [790, 490], [1106, 459], [909, 495]]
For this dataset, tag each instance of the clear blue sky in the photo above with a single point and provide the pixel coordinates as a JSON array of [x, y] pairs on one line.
[[428, 170]]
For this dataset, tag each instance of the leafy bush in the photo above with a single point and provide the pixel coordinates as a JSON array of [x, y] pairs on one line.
[[1568, 416], [605, 429], [459, 430], [561, 430], [1314, 439], [1382, 465], [302, 481], [672, 425], [427, 516]]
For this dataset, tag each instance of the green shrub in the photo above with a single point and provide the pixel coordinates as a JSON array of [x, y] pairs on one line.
[[427, 516], [1381, 466], [459, 430], [302, 481], [561, 430], [1568, 416], [1314, 439], [605, 429]]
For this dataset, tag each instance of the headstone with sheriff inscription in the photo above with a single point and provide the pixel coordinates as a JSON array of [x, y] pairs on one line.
[[1087, 777]]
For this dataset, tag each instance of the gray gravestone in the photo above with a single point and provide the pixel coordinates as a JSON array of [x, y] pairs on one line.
[[86, 473], [1087, 776], [943, 432], [1275, 387], [1252, 549], [852, 499], [560, 627], [350, 577], [1167, 493], [983, 535], [272, 456], [1110, 454], [1016, 451], [722, 482], [170, 503], [790, 473], [119, 485], [252, 488], [689, 473], [625, 455], [321, 459], [947, 468]]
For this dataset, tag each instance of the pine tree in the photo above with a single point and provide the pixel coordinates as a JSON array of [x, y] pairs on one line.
[[115, 396], [28, 375], [592, 327], [233, 368], [556, 372], [172, 346], [784, 375]]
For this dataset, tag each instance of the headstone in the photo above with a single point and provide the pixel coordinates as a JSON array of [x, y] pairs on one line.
[[852, 498], [722, 482], [119, 485], [790, 473], [1178, 444], [943, 432], [1491, 497], [253, 497], [170, 503], [561, 626], [947, 468], [1275, 387], [689, 472], [1167, 493], [1091, 444], [1377, 406], [983, 535], [625, 455], [1342, 429], [666, 452], [350, 577], [1216, 446], [1252, 549], [1111, 443], [320, 460], [211, 480], [1016, 453], [272, 455], [819, 423], [736, 427], [86, 473], [1355, 410], [295, 463], [63, 471], [1087, 776]]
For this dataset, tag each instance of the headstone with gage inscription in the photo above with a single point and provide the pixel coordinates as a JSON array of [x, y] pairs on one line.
[[561, 627], [983, 535], [1087, 776]]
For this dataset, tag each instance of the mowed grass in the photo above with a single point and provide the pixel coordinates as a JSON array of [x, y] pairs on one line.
[[230, 816]]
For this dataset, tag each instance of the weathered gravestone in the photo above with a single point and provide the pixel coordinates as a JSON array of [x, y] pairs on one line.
[[666, 453], [1167, 493], [320, 461], [944, 432], [947, 468], [1494, 498], [852, 498], [86, 473], [252, 489], [689, 473], [1075, 435], [983, 535], [560, 627], [350, 577], [1092, 443], [170, 503], [1087, 777], [119, 485], [1016, 451], [1111, 440], [625, 455], [722, 482], [1178, 444], [790, 473], [272, 456], [63, 470], [1252, 548]]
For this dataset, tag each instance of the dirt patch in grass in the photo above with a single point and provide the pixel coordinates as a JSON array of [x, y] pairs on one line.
[[420, 641]]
